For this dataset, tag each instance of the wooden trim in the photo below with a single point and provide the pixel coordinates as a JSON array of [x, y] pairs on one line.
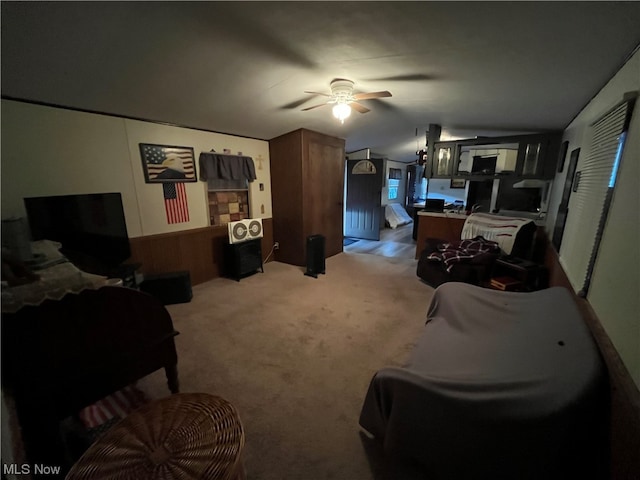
[[625, 396], [199, 251]]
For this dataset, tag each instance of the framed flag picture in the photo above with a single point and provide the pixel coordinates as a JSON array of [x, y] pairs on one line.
[[167, 164]]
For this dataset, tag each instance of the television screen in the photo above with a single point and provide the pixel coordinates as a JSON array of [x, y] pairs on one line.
[[90, 227]]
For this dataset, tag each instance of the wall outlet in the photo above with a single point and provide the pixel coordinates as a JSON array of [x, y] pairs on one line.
[[276, 245]]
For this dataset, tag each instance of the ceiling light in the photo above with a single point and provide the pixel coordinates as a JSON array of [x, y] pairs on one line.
[[341, 111]]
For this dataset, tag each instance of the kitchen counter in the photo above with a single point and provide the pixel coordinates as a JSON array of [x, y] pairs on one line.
[[443, 215]]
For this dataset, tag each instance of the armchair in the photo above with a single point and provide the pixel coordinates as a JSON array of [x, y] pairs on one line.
[[513, 236]]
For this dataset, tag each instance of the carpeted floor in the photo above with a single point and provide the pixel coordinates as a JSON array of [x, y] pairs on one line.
[[295, 355]]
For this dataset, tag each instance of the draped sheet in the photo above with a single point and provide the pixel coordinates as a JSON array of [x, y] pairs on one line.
[[396, 215], [500, 384]]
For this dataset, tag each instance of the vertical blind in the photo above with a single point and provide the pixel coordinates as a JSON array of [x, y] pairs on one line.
[[590, 202]]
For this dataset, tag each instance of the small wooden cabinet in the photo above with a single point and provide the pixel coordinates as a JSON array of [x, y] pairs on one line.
[[243, 259], [511, 273], [307, 185]]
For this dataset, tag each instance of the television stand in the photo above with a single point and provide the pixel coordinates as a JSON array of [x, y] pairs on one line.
[[243, 259], [126, 272]]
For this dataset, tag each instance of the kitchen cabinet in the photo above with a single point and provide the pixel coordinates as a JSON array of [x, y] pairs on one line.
[[538, 156], [307, 185], [526, 156], [506, 159], [443, 159]]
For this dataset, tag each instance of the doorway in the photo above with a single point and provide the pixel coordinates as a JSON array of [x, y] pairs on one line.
[[363, 198], [480, 193]]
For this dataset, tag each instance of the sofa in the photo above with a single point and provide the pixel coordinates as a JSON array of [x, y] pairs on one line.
[[511, 236], [499, 385]]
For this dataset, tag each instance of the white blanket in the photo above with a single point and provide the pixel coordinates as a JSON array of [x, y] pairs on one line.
[[396, 216], [497, 228]]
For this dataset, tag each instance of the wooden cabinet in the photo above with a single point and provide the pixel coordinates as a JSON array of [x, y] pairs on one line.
[[443, 226], [243, 259], [307, 191], [443, 159], [538, 156], [526, 156]]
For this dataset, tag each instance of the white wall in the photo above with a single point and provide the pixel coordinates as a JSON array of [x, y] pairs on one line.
[[615, 286], [440, 188], [53, 151]]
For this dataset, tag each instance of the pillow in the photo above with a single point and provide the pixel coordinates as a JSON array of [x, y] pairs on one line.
[[117, 405]]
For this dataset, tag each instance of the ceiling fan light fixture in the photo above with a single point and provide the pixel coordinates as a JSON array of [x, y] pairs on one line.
[[341, 111]]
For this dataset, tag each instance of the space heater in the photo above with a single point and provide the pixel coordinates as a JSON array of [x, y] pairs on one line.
[[315, 255]]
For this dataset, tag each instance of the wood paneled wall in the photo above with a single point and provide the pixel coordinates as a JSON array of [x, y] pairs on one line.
[[625, 396], [200, 251]]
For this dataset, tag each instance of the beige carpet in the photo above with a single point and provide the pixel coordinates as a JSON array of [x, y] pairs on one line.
[[295, 355]]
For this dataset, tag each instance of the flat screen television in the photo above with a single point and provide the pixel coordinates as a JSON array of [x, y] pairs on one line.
[[90, 227]]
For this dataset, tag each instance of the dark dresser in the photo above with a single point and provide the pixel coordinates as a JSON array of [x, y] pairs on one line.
[[243, 259]]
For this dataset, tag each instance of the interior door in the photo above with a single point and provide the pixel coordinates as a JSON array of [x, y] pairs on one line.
[[324, 195], [563, 209], [363, 199]]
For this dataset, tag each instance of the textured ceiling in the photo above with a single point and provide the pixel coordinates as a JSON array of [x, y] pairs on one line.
[[475, 68]]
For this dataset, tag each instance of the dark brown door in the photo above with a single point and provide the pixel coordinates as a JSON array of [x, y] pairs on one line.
[[324, 191], [363, 199], [563, 209]]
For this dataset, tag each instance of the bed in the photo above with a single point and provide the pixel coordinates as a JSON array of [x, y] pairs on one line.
[[499, 385], [63, 354]]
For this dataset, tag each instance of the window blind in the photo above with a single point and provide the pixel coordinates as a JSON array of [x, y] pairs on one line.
[[590, 202]]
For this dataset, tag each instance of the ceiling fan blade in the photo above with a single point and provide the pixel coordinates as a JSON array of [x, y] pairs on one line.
[[359, 108], [366, 96], [403, 78], [296, 103], [318, 93], [315, 106]]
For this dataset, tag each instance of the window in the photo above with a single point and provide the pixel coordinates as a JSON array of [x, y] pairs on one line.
[[593, 194], [393, 189]]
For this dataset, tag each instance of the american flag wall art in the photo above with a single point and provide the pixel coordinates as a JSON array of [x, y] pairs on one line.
[[175, 202], [167, 164]]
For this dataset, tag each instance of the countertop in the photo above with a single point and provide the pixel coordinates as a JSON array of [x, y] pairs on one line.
[[541, 222], [460, 216]]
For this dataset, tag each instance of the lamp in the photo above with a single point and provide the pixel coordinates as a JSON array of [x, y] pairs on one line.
[[341, 111]]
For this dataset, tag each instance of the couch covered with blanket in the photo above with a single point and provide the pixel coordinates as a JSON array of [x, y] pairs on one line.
[[484, 239], [500, 385]]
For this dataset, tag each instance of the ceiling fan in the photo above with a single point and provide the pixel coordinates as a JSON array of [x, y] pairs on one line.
[[343, 98]]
